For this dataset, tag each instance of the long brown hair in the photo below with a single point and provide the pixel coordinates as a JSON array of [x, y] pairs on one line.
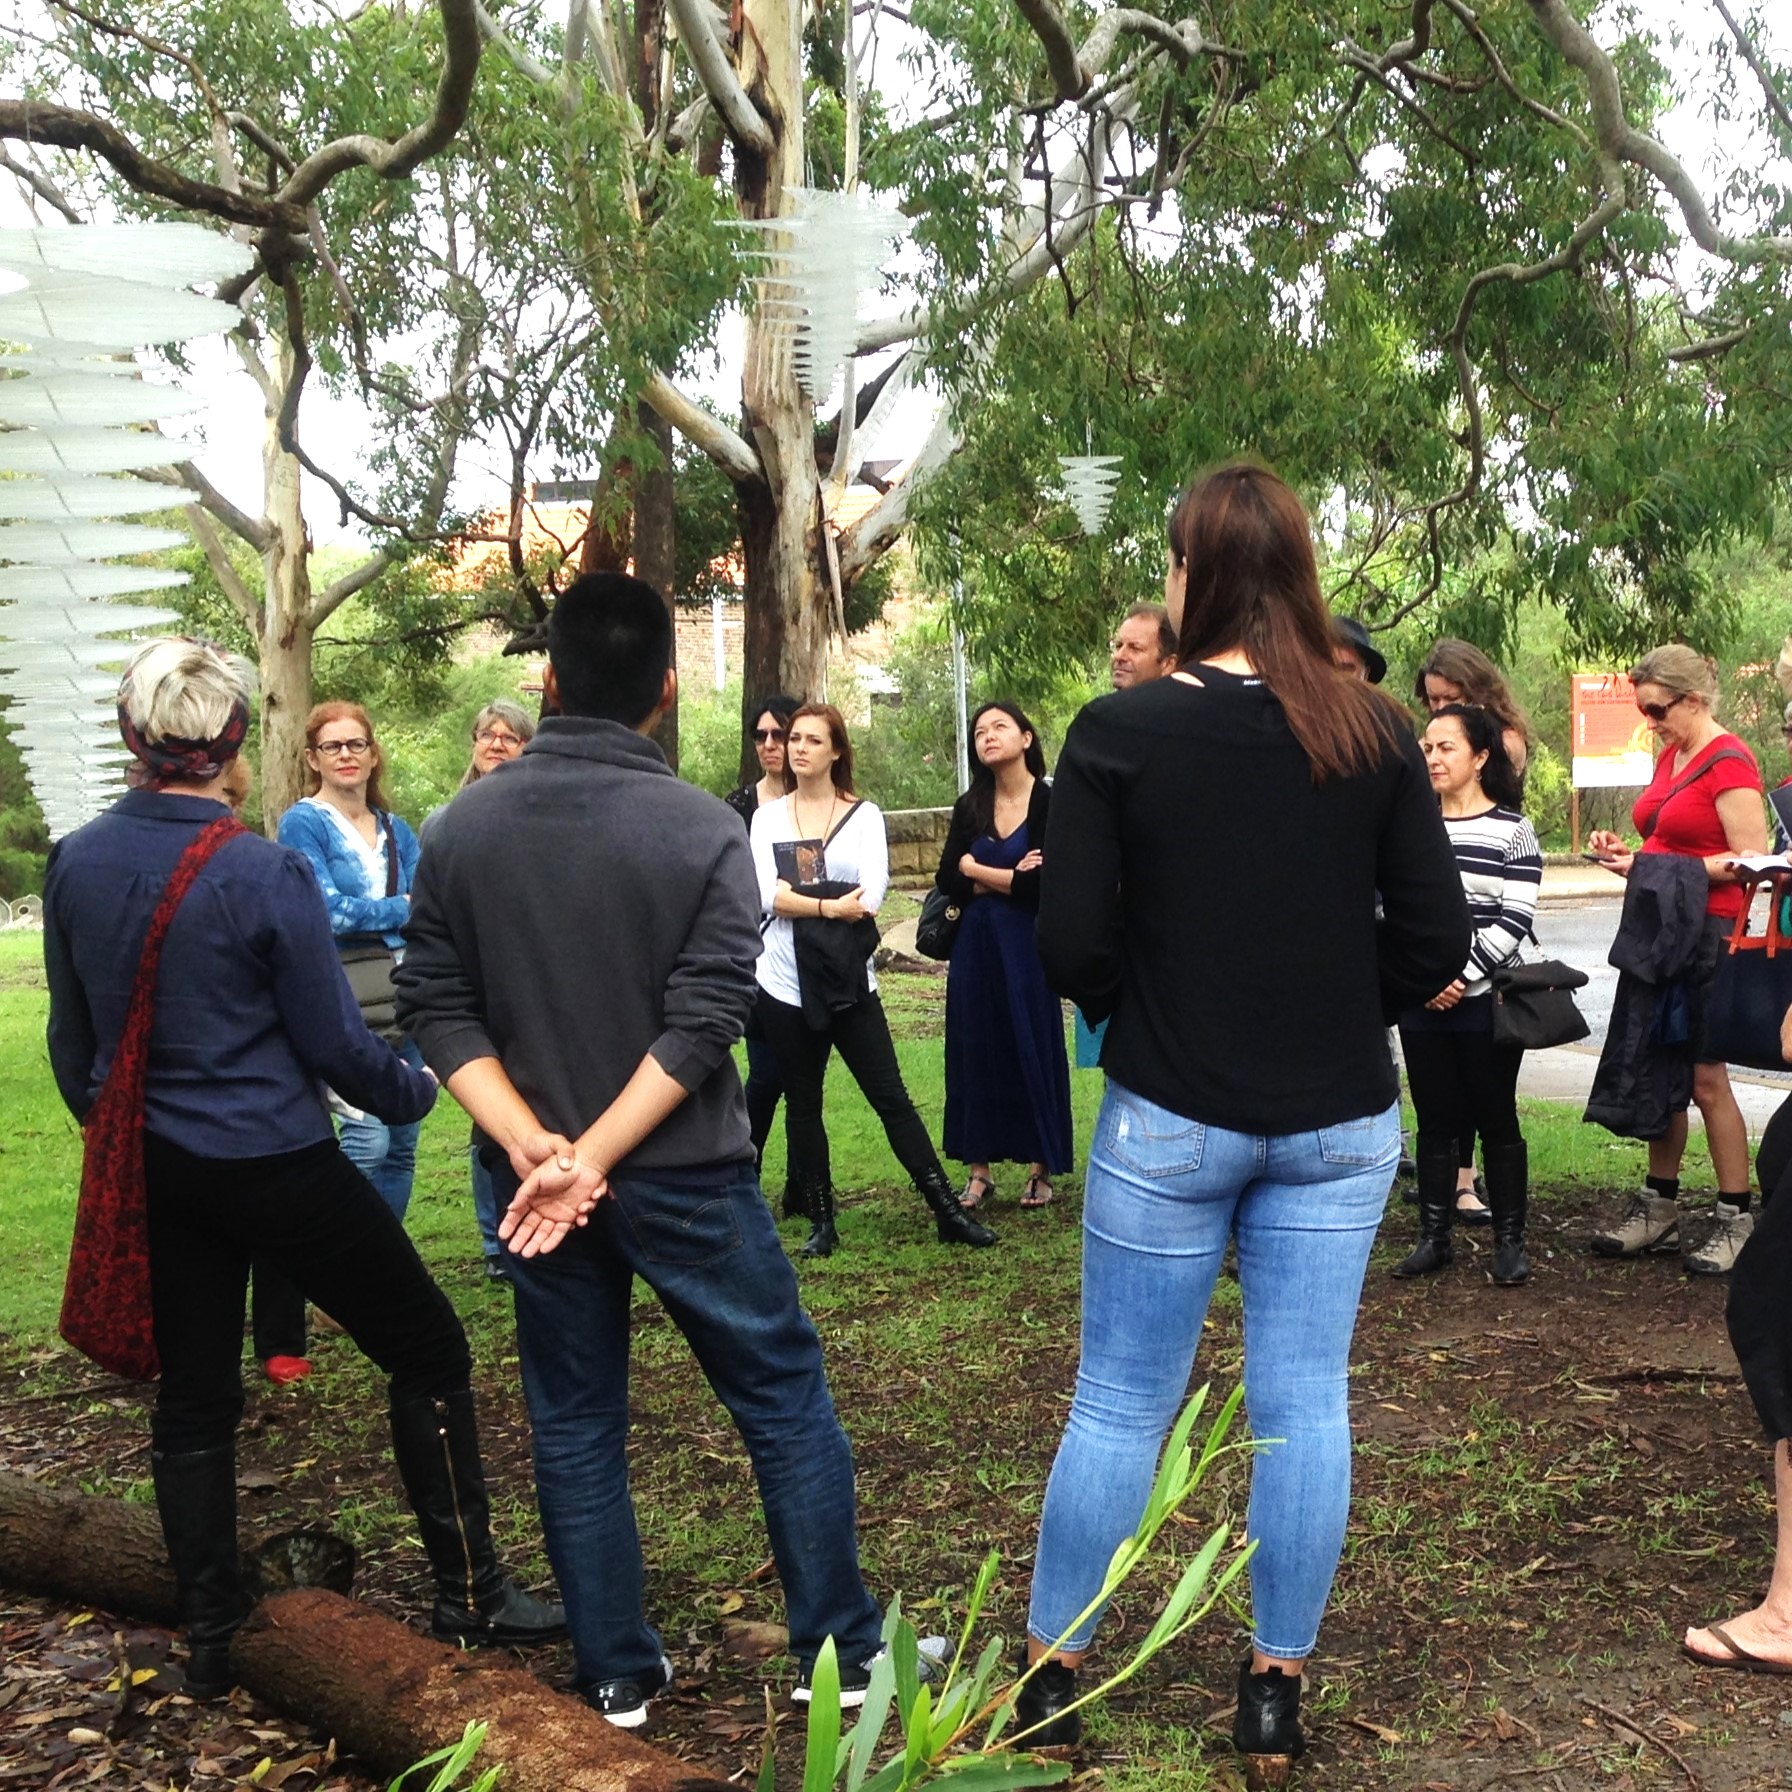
[[1246, 547], [1482, 684], [841, 770], [321, 716]]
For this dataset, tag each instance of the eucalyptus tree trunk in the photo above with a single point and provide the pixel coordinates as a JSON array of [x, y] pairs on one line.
[[286, 631], [787, 589]]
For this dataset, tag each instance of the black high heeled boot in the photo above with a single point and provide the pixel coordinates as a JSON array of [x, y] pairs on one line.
[[436, 1445], [196, 1501], [818, 1203], [1266, 1731], [1040, 1708], [951, 1222], [1437, 1210], [1508, 1171]]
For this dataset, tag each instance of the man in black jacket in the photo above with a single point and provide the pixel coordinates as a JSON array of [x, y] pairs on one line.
[[579, 965]]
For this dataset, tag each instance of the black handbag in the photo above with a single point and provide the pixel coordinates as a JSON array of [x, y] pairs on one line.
[[368, 962], [1752, 989], [1534, 1006], [937, 928]]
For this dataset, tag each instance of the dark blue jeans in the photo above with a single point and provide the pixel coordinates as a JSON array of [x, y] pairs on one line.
[[711, 1254]]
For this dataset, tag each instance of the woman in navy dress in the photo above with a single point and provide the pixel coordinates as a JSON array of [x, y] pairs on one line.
[[1007, 1075]]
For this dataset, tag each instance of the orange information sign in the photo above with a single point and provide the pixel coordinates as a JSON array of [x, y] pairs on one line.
[[1613, 747]]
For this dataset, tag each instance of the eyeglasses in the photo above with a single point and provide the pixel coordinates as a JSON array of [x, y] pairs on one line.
[[334, 747], [765, 736], [496, 737], [1658, 712]]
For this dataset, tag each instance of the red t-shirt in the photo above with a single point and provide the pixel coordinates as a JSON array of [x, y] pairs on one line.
[[1689, 822]]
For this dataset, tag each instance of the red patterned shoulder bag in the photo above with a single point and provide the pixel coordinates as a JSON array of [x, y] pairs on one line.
[[105, 1302]]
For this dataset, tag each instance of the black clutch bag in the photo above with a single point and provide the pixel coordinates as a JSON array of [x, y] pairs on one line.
[[937, 929]]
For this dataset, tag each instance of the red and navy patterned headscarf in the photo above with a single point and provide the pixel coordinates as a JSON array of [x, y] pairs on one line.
[[172, 759]]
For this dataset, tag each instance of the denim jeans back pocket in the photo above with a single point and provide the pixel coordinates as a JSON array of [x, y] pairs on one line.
[[1372, 1140], [1148, 1140], [683, 1228]]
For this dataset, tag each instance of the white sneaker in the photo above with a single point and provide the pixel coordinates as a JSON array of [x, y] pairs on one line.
[[1717, 1255], [1650, 1223]]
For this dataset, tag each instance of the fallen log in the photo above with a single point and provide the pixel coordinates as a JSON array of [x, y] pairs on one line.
[[390, 1696], [384, 1692]]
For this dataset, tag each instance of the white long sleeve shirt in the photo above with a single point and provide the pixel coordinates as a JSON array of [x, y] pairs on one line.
[[858, 854]]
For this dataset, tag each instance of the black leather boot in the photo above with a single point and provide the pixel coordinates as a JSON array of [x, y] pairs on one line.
[[818, 1203], [1266, 1731], [796, 1200], [1437, 1209], [1508, 1170], [436, 1444], [953, 1224], [1039, 1709], [196, 1500]]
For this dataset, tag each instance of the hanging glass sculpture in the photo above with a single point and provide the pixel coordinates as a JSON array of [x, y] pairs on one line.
[[68, 411], [813, 287], [1089, 483]]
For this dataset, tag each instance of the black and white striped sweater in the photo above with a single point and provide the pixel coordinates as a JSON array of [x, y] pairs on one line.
[[1502, 870]]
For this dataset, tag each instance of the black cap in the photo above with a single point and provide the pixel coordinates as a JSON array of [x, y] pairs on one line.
[[1348, 632]]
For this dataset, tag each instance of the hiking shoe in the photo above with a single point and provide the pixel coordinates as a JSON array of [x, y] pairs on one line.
[[1650, 1223], [624, 1702], [1717, 1255], [855, 1681]]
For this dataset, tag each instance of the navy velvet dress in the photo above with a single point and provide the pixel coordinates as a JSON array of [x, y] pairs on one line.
[[1007, 1076]]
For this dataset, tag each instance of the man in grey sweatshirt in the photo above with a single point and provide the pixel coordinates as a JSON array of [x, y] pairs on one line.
[[578, 966]]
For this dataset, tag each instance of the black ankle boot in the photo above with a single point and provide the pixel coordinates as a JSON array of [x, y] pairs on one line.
[[1041, 1703], [196, 1500], [1266, 1730], [818, 1203], [1437, 1210], [952, 1223], [1508, 1169], [796, 1202], [436, 1444]]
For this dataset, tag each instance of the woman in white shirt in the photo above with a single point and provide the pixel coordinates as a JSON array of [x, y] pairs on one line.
[[824, 867]]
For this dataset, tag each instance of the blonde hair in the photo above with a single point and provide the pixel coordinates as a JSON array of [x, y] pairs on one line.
[[1679, 671], [177, 689]]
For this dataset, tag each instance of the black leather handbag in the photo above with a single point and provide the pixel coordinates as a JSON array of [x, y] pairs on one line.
[[937, 929], [1752, 988], [1534, 1006]]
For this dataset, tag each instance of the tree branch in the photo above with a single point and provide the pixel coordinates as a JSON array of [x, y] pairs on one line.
[[36, 181], [211, 544], [732, 103], [66, 127], [393, 161], [1763, 73], [736, 457], [1070, 79], [240, 523]]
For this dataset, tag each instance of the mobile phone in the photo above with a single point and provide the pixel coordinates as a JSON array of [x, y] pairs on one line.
[[1594, 858]]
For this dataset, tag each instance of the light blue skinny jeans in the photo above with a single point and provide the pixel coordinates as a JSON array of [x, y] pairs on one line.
[[1161, 1197], [385, 1155]]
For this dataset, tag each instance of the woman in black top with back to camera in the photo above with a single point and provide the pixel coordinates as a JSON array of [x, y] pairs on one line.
[[1217, 843]]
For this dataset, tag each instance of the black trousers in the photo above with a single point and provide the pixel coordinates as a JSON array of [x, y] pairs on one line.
[[1462, 1084], [318, 1219], [862, 1036], [1759, 1310]]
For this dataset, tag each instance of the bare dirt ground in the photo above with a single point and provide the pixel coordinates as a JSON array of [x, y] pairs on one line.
[[1551, 1482]]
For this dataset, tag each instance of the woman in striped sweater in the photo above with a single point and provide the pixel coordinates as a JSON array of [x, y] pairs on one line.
[[1461, 1079]]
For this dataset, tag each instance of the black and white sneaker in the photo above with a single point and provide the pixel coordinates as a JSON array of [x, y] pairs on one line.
[[625, 1702], [855, 1681]]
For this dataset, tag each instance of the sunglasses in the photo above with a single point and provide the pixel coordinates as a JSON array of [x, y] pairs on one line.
[[765, 736], [1658, 712], [333, 747]]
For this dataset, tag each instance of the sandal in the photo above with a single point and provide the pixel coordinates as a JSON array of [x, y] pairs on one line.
[[973, 1197], [1039, 1193], [1744, 1659]]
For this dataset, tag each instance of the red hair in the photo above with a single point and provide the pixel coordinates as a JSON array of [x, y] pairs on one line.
[[321, 716]]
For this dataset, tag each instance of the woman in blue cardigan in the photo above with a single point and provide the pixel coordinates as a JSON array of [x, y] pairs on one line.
[[364, 858]]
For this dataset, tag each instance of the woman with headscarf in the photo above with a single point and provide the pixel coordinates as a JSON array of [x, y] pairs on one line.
[[250, 1016]]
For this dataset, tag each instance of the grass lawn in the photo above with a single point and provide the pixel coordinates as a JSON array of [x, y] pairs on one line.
[[1548, 1480]]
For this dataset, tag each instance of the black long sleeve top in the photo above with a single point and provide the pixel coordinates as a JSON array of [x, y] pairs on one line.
[[1202, 890], [962, 834]]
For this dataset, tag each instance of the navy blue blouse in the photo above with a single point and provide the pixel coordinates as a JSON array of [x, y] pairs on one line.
[[253, 1012]]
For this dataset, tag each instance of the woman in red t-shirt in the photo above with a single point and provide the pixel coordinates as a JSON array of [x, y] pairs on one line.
[[1704, 802]]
